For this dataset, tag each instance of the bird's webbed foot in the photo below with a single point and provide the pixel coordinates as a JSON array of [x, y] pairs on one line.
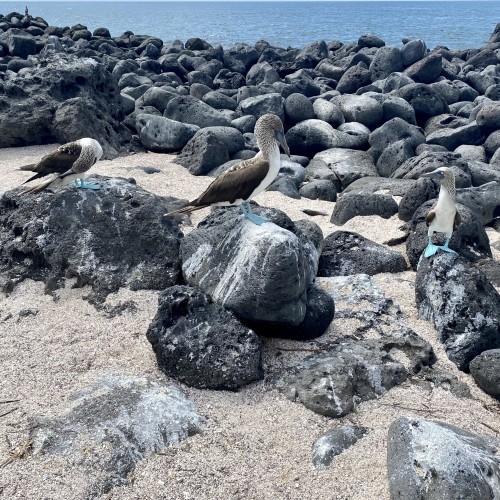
[[431, 249], [247, 212], [81, 184]]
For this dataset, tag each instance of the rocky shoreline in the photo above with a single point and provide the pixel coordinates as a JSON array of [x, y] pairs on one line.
[[363, 122]]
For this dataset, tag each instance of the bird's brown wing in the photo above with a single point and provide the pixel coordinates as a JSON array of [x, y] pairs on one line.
[[58, 162], [431, 215], [239, 182], [457, 221]]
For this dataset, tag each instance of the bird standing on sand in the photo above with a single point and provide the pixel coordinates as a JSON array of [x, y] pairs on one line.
[[66, 164], [246, 179], [443, 217]]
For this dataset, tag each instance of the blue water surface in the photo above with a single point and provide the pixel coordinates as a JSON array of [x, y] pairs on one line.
[[454, 24]]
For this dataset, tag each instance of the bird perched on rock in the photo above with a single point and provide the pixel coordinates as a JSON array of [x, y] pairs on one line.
[[246, 179], [443, 217], [66, 164]]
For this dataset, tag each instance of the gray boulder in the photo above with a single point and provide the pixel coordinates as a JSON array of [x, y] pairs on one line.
[[163, 135], [204, 152], [430, 160], [380, 185], [328, 112], [412, 51], [312, 136], [112, 425], [424, 100], [108, 239], [298, 108], [461, 303], [482, 173], [352, 204], [435, 460], [345, 253], [469, 239], [29, 102], [394, 156], [333, 443], [218, 100], [485, 369], [259, 272], [157, 97], [320, 309], [392, 131], [353, 79], [347, 164], [359, 108], [421, 191], [354, 370], [482, 201], [488, 117], [189, 110], [262, 104], [21, 46], [387, 60], [426, 70], [370, 40], [319, 189], [202, 344], [262, 72], [471, 154], [451, 138], [230, 137]]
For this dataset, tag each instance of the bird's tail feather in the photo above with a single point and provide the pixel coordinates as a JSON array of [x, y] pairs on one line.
[[187, 209], [29, 167], [39, 187]]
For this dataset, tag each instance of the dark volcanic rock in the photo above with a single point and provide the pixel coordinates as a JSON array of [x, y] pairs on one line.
[[187, 109], [203, 153], [435, 460], [333, 443], [451, 138], [353, 79], [28, 109], [387, 60], [345, 253], [485, 369], [163, 135], [348, 165], [352, 204], [422, 190], [319, 189], [462, 304], [426, 70], [354, 370], [202, 344], [469, 239], [260, 272], [425, 101], [320, 309], [112, 425], [483, 201], [107, 239], [298, 108]]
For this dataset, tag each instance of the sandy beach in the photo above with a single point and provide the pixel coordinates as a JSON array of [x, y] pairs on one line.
[[256, 444]]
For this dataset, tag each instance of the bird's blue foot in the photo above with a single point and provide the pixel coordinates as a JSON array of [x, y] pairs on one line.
[[81, 184], [247, 212], [446, 248], [431, 249]]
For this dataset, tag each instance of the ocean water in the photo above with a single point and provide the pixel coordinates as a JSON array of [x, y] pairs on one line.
[[454, 24]]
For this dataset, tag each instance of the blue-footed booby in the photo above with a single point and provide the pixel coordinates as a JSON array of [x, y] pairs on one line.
[[66, 164], [443, 217], [246, 179]]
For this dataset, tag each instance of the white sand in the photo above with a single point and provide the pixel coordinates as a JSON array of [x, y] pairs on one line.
[[256, 444]]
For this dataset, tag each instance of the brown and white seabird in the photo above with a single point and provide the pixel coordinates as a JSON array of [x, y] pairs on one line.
[[443, 217], [66, 164], [246, 179]]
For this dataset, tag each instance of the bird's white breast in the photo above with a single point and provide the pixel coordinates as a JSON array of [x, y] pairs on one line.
[[274, 168], [445, 211]]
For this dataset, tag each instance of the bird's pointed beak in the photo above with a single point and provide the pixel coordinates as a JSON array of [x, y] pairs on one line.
[[280, 137], [431, 175]]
